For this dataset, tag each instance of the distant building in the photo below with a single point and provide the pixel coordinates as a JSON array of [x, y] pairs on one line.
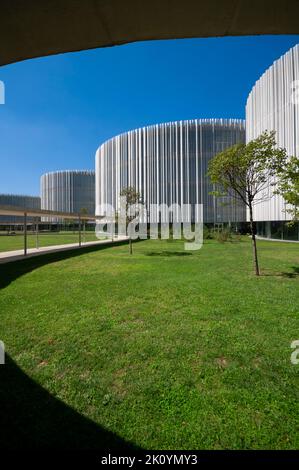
[[167, 164], [21, 202], [68, 191], [273, 104]]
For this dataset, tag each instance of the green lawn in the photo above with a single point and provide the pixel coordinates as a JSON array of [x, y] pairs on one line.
[[164, 349], [16, 242]]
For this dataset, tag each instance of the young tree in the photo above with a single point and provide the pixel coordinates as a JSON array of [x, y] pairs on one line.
[[245, 172], [288, 186], [132, 198]]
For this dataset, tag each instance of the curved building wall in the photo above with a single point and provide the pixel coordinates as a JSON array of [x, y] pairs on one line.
[[68, 191], [20, 201], [167, 164], [273, 104]]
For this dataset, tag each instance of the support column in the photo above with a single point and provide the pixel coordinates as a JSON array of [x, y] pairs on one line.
[[79, 230], [25, 233], [36, 232]]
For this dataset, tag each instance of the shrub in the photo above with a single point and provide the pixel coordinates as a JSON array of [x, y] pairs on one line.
[[225, 234]]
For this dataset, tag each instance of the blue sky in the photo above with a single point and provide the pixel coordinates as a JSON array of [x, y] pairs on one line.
[[59, 109]]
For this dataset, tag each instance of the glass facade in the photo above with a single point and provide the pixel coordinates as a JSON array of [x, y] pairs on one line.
[[278, 230], [21, 202]]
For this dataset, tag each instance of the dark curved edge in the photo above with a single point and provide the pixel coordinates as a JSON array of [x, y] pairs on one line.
[[32, 419], [40, 28]]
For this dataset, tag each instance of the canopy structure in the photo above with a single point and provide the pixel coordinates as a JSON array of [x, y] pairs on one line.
[[35, 28], [24, 212], [11, 210]]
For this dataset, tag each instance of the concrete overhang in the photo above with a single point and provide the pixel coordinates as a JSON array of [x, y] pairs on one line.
[[18, 211], [34, 28]]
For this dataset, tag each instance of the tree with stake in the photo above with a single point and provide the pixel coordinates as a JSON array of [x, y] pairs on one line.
[[132, 198], [245, 172]]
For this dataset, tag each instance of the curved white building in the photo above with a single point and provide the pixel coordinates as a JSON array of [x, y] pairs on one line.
[[68, 191], [273, 104], [167, 164]]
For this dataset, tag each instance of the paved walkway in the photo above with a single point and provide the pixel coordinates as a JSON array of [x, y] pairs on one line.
[[8, 256], [276, 240]]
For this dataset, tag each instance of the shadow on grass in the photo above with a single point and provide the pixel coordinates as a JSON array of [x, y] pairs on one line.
[[168, 253], [31, 418], [294, 274], [14, 269], [289, 275]]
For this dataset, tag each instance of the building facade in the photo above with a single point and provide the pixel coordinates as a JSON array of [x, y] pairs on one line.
[[273, 104], [21, 202], [167, 164], [68, 191]]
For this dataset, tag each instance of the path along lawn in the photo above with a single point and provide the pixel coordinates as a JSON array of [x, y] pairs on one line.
[[167, 349]]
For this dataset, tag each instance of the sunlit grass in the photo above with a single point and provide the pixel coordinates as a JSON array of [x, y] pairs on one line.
[[168, 350]]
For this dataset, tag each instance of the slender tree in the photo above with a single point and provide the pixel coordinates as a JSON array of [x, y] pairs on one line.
[[288, 186], [132, 198], [245, 172]]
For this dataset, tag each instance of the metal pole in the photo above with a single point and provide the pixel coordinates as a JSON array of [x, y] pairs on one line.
[[25, 233], [36, 229], [79, 230]]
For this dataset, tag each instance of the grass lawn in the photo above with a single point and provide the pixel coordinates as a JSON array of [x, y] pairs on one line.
[[165, 349], [16, 242]]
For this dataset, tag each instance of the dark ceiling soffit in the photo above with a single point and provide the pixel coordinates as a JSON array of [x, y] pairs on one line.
[[35, 28]]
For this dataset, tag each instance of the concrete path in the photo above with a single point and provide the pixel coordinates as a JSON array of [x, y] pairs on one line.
[[8, 256], [276, 240]]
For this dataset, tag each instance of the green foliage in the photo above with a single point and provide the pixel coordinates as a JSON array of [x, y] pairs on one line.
[[224, 234], [207, 234], [132, 196], [244, 170], [288, 186]]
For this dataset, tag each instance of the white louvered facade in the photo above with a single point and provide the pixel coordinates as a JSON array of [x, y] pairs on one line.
[[167, 164], [68, 191], [273, 104]]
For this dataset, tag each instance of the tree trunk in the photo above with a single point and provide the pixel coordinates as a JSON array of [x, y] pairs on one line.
[[130, 244], [253, 237]]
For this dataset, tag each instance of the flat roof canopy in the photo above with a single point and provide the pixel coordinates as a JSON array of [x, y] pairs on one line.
[[11, 210], [36, 28]]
